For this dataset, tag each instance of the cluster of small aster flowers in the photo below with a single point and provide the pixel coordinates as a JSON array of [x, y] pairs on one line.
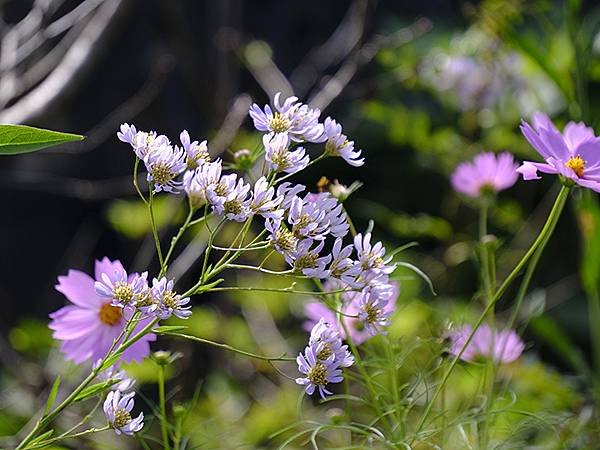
[[117, 409], [293, 122], [323, 359], [164, 161], [119, 401], [158, 299], [102, 306]]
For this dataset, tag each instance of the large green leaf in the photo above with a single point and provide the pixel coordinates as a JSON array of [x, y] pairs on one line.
[[15, 139]]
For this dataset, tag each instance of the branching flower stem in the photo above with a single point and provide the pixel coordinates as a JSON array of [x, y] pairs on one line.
[[545, 233]]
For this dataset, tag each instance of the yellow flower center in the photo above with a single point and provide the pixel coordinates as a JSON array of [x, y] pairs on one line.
[[122, 292], [317, 374], [109, 314], [162, 174], [285, 240], [122, 418], [576, 164], [326, 352], [372, 313], [170, 300], [278, 123]]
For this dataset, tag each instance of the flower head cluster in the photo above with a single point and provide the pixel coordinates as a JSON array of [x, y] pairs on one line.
[[121, 381], [487, 173], [117, 409], [501, 346], [355, 309], [573, 154], [323, 359], [337, 144], [164, 162], [101, 309], [91, 322], [293, 118]]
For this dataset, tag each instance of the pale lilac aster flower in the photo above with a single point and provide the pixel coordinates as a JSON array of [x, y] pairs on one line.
[[117, 410], [289, 192], [202, 181], [372, 311], [193, 189], [337, 144], [164, 164], [316, 216], [230, 197], [573, 154], [318, 373], [372, 257], [168, 302], [264, 201], [196, 153], [88, 326], [282, 239], [316, 310], [342, 267], [142, 142], [120, 288], [123, 382], [504, 346], [306, 259], [327, 335], [297, 120], [487, 173], [280, 157]]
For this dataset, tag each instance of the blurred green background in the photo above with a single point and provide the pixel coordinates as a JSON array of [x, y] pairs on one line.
[[419, 86]]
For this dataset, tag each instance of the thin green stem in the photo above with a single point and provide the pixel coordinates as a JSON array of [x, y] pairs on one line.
[[47, 442], [163, 408], [135, 180], [154, 229], [230, 348], [546, 231], [176, 238]]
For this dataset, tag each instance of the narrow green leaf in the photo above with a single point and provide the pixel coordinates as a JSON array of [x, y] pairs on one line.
[[41, 437], [94, 389], [168, 328], [419, 272], [52, 395], [111, 361], [15, 139]]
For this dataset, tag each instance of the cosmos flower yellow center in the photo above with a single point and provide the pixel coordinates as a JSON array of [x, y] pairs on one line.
[[122, 418], [278, 123], [317, 374], [576, 164], [109, 314]]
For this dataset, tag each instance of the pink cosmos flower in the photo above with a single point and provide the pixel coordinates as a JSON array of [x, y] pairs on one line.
[[88, 326], [574, 153], [487, 173], [502, 346]]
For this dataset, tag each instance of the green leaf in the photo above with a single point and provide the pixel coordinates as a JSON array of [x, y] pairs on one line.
[[52, 395], [41, 437], [94, 389], [168, 328], [15, 139]]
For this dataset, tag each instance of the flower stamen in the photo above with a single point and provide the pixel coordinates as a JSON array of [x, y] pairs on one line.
[[576, 164]]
